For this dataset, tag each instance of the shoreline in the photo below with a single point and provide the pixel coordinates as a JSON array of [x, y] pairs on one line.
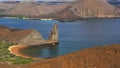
[[105, 56], [15, 49], [61, 20]]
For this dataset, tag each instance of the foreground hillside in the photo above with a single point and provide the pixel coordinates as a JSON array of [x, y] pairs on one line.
[[98, 57], [70, 10]]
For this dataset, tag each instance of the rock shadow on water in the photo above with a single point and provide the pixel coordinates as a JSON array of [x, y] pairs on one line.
[[41, 51]]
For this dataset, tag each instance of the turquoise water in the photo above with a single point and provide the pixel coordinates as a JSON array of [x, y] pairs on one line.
[[73, 36]]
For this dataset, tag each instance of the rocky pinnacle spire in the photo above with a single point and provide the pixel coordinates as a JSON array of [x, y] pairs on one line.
[[53, 38]]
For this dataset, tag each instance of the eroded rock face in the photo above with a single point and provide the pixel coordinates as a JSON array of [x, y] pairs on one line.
[[34, 38], [23, 37], [53, 38], [27, 37]]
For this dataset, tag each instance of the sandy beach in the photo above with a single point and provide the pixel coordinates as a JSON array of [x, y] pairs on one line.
[[15, 49], [107, 56]]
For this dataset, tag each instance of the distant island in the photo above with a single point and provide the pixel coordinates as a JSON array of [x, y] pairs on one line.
[[64, 11]]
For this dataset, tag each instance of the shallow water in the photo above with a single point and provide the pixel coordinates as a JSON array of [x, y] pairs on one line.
[[73, 36]]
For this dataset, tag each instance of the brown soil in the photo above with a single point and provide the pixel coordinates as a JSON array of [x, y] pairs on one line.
[[13, 34], [98, 57], [17, 36]]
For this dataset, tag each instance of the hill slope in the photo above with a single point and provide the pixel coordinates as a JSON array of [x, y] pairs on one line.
[[92, 7], [98, 57], [77, 9]]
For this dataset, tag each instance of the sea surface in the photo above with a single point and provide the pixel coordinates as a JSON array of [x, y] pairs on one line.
[[73, 36]]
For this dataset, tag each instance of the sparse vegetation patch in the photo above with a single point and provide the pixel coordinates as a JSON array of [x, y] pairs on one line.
[[7, 57]]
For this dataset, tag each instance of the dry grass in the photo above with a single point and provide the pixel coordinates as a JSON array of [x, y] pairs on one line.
[[98, 57]]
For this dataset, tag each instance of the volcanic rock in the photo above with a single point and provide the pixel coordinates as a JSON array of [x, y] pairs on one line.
[[53, 38], [25, 37]]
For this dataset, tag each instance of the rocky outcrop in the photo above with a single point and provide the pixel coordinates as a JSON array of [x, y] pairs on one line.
[[27, 37], [34, 38], [21, 37], [53, 38]]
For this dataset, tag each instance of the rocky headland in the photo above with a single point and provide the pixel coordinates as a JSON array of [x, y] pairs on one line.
[[13, 40], [27, 37]]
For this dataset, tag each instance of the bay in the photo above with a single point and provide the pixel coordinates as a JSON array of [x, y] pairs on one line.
[[73, 36]]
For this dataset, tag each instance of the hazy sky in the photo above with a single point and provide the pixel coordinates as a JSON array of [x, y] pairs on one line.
[[46, 0], [35, 0]]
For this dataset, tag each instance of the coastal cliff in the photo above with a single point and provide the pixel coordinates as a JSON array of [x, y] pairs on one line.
[[34, 38], [27, 37]]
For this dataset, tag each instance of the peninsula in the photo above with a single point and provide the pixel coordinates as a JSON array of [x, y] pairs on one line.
[[28, 37], [14, 40]]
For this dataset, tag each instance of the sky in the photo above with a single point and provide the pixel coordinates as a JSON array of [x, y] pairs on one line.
[[114, 0], [51, 0], [35, 0]]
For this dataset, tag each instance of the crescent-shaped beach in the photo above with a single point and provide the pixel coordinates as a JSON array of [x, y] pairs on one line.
[[16, 50], [98, 57]]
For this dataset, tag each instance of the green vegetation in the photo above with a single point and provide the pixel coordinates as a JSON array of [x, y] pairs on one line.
[[7, 57], [18, 16]]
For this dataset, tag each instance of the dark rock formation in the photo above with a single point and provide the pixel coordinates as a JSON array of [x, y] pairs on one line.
[[53, 38]]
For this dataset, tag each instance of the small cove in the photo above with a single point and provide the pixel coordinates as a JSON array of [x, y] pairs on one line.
[[73, 36]]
